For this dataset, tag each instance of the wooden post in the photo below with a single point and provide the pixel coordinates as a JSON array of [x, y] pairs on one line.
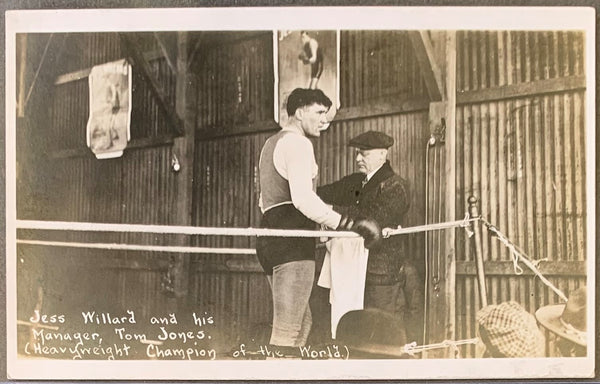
[[474, 212], [183, 149], [441, 305], [449, 73]]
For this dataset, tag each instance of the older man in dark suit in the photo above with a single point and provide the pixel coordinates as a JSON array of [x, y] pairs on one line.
[[377, 192]]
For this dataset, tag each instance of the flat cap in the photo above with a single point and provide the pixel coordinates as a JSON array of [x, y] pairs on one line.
[[372, 140]]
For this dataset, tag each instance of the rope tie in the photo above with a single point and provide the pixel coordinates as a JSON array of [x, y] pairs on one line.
[[413, 348], [387, 232], [519, 255], [538, 262], [466, 225]]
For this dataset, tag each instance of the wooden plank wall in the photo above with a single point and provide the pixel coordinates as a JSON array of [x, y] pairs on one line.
[[524, 158]]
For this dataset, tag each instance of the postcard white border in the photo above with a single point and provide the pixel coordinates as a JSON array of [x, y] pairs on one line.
[[261, 18]]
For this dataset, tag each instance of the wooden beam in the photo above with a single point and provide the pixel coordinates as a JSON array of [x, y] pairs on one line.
[[146, 142], [450, 185], [506, 268], [168, 46], [83, 73], [143, 69], [442, 302], [215, 131], [181, 212], [425, 54], [37, 72], [192, 55], [233, 263], [72, 76], [535, 88], [387, 106]]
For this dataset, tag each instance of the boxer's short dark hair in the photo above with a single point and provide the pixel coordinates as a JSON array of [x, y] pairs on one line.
[[302, 97]]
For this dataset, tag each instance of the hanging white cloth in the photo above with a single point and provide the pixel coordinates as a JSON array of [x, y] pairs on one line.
[[344, 272]]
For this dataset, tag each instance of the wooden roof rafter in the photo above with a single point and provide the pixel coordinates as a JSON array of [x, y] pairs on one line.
[[133, 51], [168, 46], [428, 63]]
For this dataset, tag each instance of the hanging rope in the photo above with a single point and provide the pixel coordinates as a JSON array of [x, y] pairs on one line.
[[519, 255]]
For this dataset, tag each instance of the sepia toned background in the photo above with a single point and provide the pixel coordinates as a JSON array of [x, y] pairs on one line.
[[206, 98]]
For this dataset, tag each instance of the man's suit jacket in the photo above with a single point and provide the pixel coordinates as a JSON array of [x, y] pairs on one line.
[[385, 199]]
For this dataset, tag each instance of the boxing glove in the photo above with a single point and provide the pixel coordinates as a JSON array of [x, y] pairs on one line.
[[369, 229], [302, 57]]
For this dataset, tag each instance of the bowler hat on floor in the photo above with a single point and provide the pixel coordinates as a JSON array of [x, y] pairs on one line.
[[372, 334]]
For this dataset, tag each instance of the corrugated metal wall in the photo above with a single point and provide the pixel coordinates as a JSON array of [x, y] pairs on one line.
[[410, 134], [375, 65], [234, 288], [524, 158], [235, 90], [236, 84], [135, 188], [486, 59]]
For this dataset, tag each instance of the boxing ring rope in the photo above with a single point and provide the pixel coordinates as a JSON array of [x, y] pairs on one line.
[[222, 231], [413, 348], [141, 247], [164, 229], [465, 223]]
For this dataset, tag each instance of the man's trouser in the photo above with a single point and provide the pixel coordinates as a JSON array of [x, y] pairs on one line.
[[403, 298], [291, 284]]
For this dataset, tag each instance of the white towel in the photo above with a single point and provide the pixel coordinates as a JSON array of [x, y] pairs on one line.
[[344, 272]]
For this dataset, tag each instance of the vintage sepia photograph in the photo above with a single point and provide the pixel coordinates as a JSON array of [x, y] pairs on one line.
[[300, 193]]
